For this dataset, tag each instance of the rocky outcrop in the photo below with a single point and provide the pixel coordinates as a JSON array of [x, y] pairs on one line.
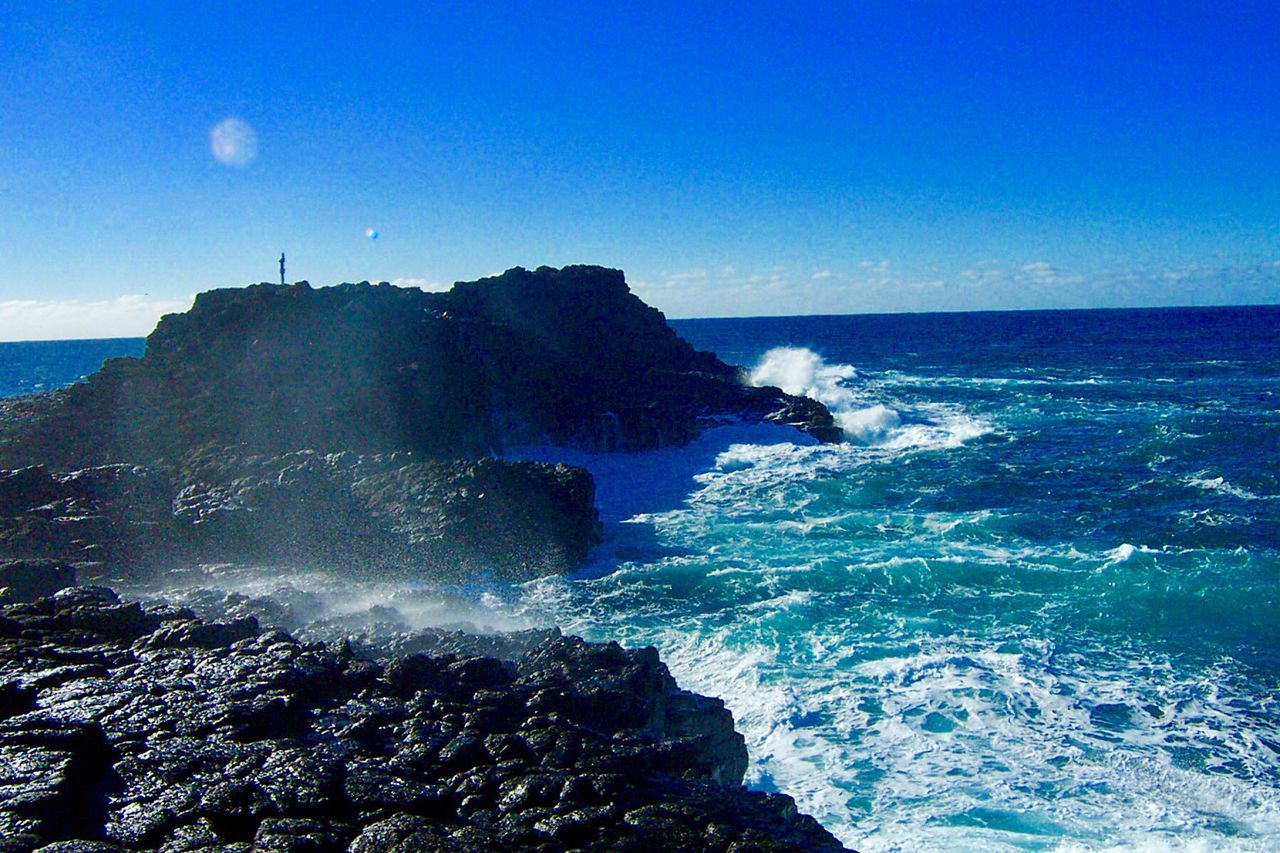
[[353, 428], [431, 519], [130, 728], [28, 580], [289, 424], [565, 356]]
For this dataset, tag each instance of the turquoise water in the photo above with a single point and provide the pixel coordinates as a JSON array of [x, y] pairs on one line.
[[1034, 605]]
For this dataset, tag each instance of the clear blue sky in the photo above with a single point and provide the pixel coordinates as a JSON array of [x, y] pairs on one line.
[[733, 158]]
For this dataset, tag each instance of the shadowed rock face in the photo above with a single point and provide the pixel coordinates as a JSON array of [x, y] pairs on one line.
[[566, 356], [282, 423], [150, 728], [362, 514]]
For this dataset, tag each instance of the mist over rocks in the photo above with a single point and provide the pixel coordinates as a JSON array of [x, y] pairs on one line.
[[568, 357], [149, 728], [357, 430], [361, 514], [357, 425]]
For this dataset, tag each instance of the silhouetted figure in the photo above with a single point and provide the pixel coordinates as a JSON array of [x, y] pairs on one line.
[[282, 267]]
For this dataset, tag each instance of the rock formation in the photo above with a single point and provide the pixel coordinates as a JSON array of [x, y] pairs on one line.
[[354, 428], [143, 728], [355, 425], [566, 357], [439, 520]]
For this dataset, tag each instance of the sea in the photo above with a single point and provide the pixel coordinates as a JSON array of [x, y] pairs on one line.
[[1032, 603]]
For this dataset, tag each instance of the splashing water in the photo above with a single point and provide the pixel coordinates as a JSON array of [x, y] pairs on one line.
[[801, 371], [1031, 604]]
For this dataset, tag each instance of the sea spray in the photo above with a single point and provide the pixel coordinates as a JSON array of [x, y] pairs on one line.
[[804, 372], [864, 419]]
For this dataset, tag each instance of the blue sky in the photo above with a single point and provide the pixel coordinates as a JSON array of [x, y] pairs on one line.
[[734, 159]]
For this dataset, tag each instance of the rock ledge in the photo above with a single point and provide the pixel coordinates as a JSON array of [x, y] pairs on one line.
[[139, 728]]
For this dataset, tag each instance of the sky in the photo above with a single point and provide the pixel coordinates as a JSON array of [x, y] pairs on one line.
[[734, 159]]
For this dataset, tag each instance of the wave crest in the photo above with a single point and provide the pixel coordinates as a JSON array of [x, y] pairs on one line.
[[803, 372]]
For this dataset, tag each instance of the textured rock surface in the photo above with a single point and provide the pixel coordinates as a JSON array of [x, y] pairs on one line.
[[198, 451], [434, 519], [28, 580], [569, 356], [146, 729]]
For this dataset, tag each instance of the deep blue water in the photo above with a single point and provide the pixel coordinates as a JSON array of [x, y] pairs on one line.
[[1033, 604], [29, 367]]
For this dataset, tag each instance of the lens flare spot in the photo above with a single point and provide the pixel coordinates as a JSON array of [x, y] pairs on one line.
[[233, 142], [371, 233]]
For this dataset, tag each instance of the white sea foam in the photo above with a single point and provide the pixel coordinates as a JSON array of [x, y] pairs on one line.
[[921, 676], [1122, 554], [804, 373], [1220, 484], [832, 632], [872, 425], [865, 420]]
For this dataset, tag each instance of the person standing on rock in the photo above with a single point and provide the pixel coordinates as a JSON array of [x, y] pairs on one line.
[[282, 267]]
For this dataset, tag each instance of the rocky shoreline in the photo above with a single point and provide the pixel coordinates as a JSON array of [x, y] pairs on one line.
[[149, 728], [354, 430], [361, 425]]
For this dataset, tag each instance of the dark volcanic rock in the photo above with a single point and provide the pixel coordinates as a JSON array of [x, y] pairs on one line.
[[438, 519], [286, 424], [568, 356], [123, 728], [27, 580]]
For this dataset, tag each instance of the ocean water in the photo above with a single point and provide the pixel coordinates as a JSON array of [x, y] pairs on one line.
[[29, 367], [1033, 604]]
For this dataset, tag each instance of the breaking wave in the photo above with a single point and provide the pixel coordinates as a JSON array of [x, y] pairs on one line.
[[864, 419]]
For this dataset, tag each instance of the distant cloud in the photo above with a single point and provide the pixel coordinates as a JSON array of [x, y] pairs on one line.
[[878, 285], [691, 275], [1045, 273], [130, 316], [421, 284]]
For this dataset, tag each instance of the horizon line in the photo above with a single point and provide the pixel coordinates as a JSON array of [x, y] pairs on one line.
[[723, 318]]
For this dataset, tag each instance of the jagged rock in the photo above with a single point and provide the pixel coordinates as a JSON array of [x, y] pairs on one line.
[[569, 356], [219, 736], [433, 518], [27, 580]]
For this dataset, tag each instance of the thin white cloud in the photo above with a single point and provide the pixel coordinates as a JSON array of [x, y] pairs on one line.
[[822, 274], [875, 286], [421, 284], [129, 316], [691, 275]]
